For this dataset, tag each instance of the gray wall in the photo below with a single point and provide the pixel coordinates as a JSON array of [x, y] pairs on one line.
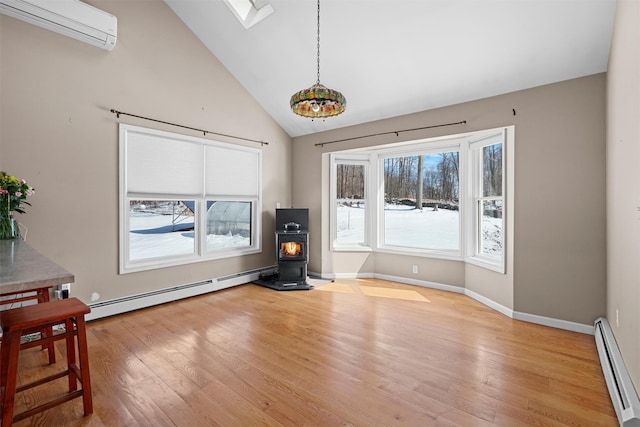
[[623, 185], [559, 259], [57, 132]]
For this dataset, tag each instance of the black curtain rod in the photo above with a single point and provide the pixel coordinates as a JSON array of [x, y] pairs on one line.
[[397, 132], [205, 132]]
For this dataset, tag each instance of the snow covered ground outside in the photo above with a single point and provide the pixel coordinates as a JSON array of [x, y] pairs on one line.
[[151, 234], [410, 227]]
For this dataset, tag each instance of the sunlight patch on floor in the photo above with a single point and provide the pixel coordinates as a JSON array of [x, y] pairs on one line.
[[336, 287], [374, 291]]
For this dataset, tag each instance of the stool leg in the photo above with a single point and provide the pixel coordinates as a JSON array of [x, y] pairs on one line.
[[71, 356], [43, 296], [4, 367], [4, 363], [10, 376], [83, 354]]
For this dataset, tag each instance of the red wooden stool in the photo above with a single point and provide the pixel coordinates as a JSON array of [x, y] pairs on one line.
[[41, 318], [40, 295]]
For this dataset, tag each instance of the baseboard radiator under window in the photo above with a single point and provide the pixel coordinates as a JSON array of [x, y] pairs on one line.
[[623, 395], [148, 299]]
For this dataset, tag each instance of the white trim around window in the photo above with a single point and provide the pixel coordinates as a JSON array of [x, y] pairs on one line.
[[469, 148], [426, 149], [358, 238], [479, 222], [185, 199]]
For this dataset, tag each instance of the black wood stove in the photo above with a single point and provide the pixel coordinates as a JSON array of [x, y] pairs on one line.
[[292, 250]]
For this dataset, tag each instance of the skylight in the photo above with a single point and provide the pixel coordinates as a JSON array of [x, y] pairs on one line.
[[249, 12]]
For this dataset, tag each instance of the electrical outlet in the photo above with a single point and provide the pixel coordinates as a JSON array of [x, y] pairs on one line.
[[415, 269], [64, 290]]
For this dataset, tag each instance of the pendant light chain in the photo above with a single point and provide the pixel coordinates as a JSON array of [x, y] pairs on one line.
[[318, 81], [318, 101]]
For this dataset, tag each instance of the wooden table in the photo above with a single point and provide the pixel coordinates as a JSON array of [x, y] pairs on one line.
[[26, 274], [25, 270]]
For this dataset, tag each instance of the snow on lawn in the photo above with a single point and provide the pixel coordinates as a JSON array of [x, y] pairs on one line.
[[152, 236], [426, 228], [410, 227], [404, 226]]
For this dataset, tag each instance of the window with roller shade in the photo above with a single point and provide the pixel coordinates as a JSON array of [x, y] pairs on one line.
[[185, 199]]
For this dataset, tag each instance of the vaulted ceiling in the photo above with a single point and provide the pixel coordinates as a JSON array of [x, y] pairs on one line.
[[395, 57]]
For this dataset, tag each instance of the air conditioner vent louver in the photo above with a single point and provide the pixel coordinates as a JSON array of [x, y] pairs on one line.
[[71, 18]]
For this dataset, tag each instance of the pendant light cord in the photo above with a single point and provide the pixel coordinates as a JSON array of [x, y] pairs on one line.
[[318, 81], [318, 101]]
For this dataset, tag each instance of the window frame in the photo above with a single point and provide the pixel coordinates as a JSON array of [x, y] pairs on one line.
[[349, 159], [426, 147], [475, 196], [470, 174], [127, 134]]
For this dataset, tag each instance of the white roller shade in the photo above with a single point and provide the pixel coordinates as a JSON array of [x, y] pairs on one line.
[[165, 163], [160, 164], [231, 171]]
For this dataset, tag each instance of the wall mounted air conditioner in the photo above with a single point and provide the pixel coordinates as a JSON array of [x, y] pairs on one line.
[[72, 18]]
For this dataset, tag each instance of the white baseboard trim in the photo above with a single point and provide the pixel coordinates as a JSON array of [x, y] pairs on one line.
[[135, 302], [423, 283], [525, 317], [531, 318], [489, 303], [554, 323]]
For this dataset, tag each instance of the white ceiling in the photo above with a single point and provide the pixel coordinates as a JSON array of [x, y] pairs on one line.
[[394, 57]]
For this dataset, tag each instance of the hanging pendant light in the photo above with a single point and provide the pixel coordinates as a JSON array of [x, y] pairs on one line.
[[318, 100]]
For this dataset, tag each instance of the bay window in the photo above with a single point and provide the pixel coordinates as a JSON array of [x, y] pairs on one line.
[[442, 197]]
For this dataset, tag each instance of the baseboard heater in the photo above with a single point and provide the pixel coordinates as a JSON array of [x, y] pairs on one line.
[[623, 395], [148, 299]]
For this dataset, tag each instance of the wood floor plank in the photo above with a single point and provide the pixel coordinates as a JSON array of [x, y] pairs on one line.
[[361, 352]]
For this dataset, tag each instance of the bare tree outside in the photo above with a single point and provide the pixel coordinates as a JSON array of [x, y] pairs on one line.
[[491, 200], [492, 166], [423, 181], [350, 182], [350, 195], [422, 201]]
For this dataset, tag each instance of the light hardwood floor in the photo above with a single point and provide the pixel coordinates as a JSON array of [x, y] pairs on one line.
[[349, 353]]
